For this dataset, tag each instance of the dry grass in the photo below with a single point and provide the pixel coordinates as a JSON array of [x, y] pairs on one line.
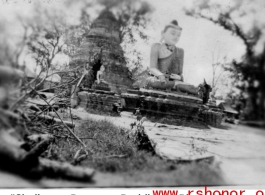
[[136, 165]]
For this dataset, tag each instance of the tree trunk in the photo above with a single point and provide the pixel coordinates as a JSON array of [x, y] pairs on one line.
[[262, 86], [262, 98]]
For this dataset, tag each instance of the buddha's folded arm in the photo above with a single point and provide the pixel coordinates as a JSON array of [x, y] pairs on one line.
[[156, 72], [154, 60]]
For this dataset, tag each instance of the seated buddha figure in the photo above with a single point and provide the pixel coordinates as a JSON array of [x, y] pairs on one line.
[[166, 62], [100, 75]]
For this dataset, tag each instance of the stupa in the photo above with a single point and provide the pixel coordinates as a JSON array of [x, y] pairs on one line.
[[101, 46]]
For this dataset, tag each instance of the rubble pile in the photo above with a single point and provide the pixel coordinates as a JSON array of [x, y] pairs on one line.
[[28, 129]]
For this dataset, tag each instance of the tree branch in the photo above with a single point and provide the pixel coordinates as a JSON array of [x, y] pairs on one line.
[[71, 132]]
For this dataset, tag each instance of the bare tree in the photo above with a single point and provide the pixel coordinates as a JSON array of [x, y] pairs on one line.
[[44, 42], [218, 63], [249, 73], [46, 39]]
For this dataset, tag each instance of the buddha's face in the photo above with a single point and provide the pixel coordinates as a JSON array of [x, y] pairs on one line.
[[172, 35], [102, 68]]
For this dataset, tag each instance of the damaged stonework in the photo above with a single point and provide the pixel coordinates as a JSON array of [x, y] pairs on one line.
[[99, 99], [162, 104], [101, 47], [100, 88]]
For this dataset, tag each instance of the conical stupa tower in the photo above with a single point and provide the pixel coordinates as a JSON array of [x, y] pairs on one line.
[[101, 46]]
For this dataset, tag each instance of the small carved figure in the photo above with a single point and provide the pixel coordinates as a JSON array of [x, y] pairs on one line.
[[100, 73]]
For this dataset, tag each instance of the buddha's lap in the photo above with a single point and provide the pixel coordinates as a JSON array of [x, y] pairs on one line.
[[153, 81], [177, 85], [187, 88]]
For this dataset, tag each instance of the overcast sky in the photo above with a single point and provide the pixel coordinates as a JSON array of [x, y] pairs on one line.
[[199, 37]]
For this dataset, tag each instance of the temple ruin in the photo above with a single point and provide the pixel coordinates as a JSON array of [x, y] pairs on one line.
[[101, 47]]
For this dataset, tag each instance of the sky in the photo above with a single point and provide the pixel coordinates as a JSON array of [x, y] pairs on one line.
[[200, 38]]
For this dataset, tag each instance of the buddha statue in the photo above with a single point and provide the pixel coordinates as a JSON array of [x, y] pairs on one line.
[[166, 63], [100, 74], [100, 83]]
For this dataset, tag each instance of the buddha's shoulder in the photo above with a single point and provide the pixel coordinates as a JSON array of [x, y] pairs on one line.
[[179, 50], [156, 46]]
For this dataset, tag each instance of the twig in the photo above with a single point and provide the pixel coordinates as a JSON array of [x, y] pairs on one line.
[[79, 159], [57, 136], [5, 122], [26, 95], [62, 71], [77, 138], [68, 83], [8, 113], [72, 119], [69, 124], [50, 151], [113, 156]]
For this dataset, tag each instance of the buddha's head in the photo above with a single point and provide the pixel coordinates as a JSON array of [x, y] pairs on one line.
[[171, 33], [102, 68]]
